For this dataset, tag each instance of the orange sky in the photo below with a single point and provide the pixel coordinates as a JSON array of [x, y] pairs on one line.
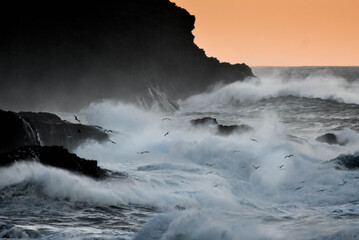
[[277, 32]]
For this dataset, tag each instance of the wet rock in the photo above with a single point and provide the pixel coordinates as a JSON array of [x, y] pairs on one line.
[[331, 139], [31, 129], [54, 156], [223, 130]]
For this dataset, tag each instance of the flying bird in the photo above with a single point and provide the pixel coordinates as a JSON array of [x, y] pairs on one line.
[[216, 185], [143, 152], [298, 188], [166, 118], [166, 134], [209, 172], [255, 167], [210, 164], [236, 151], [288, 156], [281, 166], [254, 140], [77, 119], [111, 141], [342, 184]]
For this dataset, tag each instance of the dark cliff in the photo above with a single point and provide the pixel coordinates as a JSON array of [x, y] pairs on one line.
[[53, 156], [63, 55], [34, 129]]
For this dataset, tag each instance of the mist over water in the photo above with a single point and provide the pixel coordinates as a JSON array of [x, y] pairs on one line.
[[196, 184]]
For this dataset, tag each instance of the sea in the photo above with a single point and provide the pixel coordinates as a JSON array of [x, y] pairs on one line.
[[273, 182]]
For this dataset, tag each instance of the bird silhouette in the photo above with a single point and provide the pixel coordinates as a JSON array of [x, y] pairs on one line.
[[298, 188], [166, 133], [209, 172], [111, 141], [342, 184], [143, 152], [210, 164], [255, 167], [77, 119], [216, 185], [281, 166], [254, 140], [288, 156], [236, 151], [166, 118]]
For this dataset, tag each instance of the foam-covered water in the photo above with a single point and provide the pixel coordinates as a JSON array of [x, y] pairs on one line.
[[195, 184]]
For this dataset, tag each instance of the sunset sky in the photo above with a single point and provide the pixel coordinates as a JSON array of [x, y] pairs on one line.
[[277, 32]]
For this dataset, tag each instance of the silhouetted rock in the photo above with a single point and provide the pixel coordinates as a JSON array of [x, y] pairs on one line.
[[227, 130], [62, 55], [221, 129], [29, 129], [347, 161], [204, 121], [55, 156], [330, 138], [54, 131], [15, 132]]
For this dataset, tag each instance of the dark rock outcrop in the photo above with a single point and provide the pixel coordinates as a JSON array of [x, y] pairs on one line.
[[15, 132], [223, 130], [204, 121], [54, 131], [62, 55], [331, 139], [29, 129], [347, 161], [53, 156]]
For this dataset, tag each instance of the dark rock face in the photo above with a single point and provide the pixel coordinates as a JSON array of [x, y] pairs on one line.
[[330, 138], [29, 129], [227, 130], [65, 55], [54, 131], [15, 132], [223, 130], [347, 161], [53, 156], [204, 121]]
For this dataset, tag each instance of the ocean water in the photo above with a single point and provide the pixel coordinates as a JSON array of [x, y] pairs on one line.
[[196, 184]]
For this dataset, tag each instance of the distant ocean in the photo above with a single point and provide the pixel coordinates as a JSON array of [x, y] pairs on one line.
[[273, 181]]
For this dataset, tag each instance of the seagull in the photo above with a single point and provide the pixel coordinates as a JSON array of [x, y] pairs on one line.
[[210, 164], [106, 130], [209, 172], [166, 118], [166, 134], [342, 184], [77, 119], [255, 167], [236, 151], [281, 166], [143, 152], [254, 140], [111, 141], [288, 156], [298, 188], [216, 185]]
